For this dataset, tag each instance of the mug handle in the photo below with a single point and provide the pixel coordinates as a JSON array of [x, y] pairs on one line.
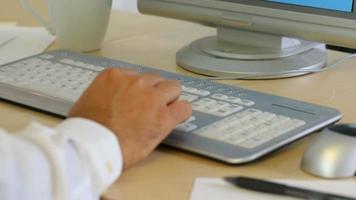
[[28, 7]]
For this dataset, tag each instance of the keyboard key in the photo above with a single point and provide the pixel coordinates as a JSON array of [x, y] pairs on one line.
[[191, 119], [186, 127], [233, 99], [246, 102], [82, 64], [219, 96], [210, 133], [196, 91], [203, 104], [46, 56], [227, 110], [188, 97]]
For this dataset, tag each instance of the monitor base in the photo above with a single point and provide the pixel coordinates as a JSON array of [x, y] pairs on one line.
[[208, 56]]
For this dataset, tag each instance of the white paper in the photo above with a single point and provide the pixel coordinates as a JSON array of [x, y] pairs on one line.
[[5, 37], [26, 42], [218, 189]]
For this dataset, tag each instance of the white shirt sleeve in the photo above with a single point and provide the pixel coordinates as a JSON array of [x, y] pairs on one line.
[[77, 160]]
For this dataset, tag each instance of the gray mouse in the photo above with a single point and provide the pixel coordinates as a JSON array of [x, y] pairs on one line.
[[333, 153]]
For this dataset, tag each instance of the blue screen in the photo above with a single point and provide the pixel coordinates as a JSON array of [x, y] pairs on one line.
[[337, 5]]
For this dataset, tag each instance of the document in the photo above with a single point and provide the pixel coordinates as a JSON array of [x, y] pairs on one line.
[[20, 42], [5, 38], [217, 189]]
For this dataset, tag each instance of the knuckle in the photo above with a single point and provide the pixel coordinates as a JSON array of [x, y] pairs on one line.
[[152, 78], [171, 87], [140, 82], [111, 74]]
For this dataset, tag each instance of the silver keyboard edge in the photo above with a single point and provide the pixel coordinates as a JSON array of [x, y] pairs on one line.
[[33, 99]]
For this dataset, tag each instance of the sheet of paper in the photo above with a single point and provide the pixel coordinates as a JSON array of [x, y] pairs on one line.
[[5, 38], [217, 189], [27, 42]]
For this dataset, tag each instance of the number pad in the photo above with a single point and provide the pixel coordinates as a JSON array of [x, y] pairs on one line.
[[250, 128]]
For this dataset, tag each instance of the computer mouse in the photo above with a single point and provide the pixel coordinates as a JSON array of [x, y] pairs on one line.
[[332, 154]]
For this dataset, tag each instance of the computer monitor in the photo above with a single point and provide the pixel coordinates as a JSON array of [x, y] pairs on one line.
[[260, 38]]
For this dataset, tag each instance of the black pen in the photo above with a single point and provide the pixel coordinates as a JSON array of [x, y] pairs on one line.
[[281, 189]]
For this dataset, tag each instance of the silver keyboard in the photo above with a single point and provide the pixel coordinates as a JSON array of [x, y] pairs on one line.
[[230, 124]]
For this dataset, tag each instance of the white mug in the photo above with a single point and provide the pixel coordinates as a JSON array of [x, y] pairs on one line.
[[78, 24]]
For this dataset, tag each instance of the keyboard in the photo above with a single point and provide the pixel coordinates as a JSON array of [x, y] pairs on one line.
[[230, 124]]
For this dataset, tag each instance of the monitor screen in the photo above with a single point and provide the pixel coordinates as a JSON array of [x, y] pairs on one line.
[[334, 8], [335, 5], [264, 36]]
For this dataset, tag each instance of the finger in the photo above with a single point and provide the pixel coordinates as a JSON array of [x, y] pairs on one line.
[[179, 111], [169, 90]]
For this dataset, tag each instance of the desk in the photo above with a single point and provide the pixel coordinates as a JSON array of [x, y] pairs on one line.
[[169, 173]]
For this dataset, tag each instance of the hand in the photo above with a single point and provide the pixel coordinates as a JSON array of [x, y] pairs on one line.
[[140, 109]]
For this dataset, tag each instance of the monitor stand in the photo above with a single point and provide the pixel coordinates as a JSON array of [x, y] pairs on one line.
[[237, 53]]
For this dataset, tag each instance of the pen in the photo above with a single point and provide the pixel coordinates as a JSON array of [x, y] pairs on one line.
[[281, 189]]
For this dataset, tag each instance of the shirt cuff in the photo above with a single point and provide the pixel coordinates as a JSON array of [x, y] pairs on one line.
[[101, 147]]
